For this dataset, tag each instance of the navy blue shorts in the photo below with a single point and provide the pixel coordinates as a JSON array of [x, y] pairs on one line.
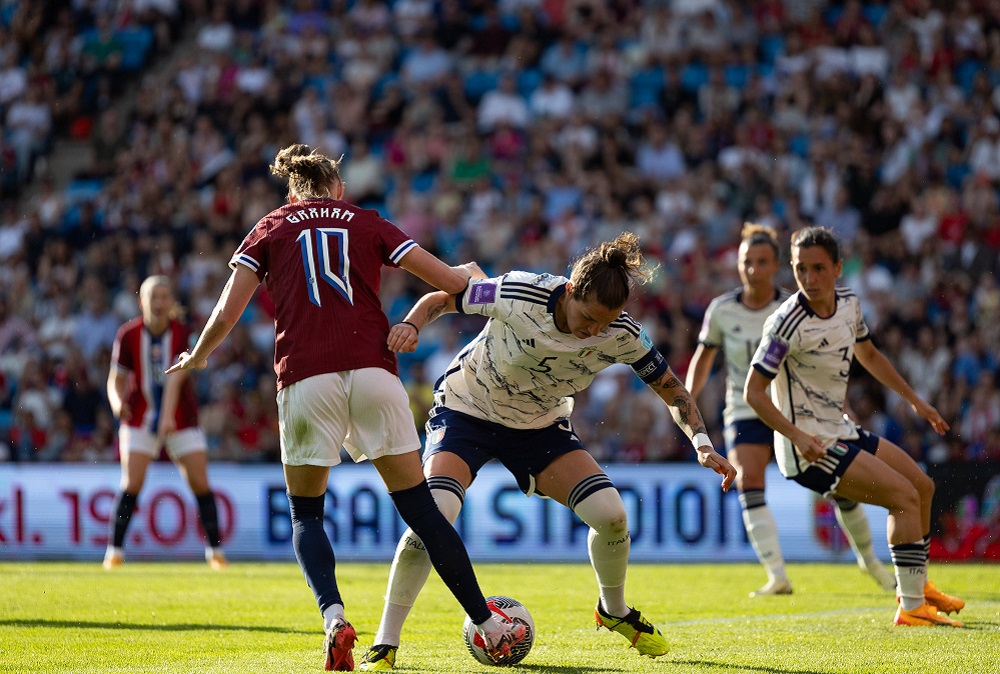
[[824, 475], [524, 452], [748, 432]]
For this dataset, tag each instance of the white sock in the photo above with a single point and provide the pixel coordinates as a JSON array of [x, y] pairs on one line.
[[910, 561], [608, 541], [333, 613], [112, 550], [411, 566], [854, 522], [763, 533]]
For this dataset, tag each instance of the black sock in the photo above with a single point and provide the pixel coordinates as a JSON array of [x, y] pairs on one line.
[[313, 550], [123, 506], [209, 515], [444, 546]]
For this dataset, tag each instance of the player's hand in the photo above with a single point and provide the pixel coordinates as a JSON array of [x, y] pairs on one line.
[[709, 458], [168, 424], [403, 338], [933, 417], [810, 447], [474, 270], [186, 362]]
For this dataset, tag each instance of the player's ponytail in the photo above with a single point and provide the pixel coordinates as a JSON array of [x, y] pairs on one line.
[[310, 174], [606, 273]]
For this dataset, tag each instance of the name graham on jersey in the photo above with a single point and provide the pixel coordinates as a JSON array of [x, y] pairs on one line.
[[322, 212]]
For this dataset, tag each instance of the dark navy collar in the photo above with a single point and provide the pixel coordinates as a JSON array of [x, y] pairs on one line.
[[554, 298]]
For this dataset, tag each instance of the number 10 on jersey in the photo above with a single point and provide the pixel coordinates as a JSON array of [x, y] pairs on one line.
[[334, 269]]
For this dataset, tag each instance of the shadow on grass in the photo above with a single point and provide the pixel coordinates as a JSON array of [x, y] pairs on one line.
[[728, 666], [183, 627]]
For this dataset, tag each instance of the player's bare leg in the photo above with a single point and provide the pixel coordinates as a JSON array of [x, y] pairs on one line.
[[869, 479]]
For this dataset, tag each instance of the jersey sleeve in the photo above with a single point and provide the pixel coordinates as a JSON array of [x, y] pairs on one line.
[[774, 346], [252, 253], [861, 330], [636, 349], [502, 297], [395, 243], [121, 356], [711, 332]]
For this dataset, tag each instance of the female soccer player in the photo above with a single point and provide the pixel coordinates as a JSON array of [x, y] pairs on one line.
[[508, 396], [805, 356], [156, 409], [734, 321], [322, 257]]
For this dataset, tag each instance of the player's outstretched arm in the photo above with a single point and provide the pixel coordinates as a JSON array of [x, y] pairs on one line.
[[234, 299], [404, 336], [429, 268], [687, 416], [882, 369]]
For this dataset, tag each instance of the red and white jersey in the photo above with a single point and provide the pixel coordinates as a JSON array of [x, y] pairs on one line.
[[145, 358], [322, 261]]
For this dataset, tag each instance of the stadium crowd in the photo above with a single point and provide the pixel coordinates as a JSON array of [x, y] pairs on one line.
[[514, 133]]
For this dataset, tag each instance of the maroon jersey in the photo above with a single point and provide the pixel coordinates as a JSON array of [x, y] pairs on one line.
[[322, 261], [145, 357]]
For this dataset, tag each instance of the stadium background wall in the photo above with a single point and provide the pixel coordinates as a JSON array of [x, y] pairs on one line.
[[676, 512]]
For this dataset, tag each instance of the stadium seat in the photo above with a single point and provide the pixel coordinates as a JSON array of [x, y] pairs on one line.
[[800, 145], [965, 72], [874, 13], [136, 44], [646, 86], [423, 182], [528, 80], [771, 47], [693, 76], [478, 83], [738, 76]]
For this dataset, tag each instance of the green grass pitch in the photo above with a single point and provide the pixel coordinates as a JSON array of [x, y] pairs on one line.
[[182, 617]]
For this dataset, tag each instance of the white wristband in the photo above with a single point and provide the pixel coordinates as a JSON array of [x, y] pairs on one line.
[[700, 440]]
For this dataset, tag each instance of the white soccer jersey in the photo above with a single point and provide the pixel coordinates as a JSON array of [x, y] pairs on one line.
[[521, 371], [737, 329], [809, 359]]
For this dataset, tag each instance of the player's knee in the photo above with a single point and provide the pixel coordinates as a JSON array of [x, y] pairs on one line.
[[905, 498], [925, 487], [448, 503], [604, 512]]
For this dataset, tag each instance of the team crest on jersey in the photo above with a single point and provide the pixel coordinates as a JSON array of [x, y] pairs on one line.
[[647, 343], [436, 435], [483, 292]]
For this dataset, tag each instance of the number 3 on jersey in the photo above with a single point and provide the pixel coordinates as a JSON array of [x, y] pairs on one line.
[[334, 269]]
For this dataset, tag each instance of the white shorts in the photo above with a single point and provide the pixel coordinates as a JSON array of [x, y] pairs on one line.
[[366, 411], [179, 443]]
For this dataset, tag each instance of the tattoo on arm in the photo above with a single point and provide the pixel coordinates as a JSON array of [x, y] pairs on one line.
[[682, 406], [435, 311]]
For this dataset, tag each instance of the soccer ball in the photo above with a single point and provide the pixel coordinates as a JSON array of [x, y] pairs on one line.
[[508, 609]]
